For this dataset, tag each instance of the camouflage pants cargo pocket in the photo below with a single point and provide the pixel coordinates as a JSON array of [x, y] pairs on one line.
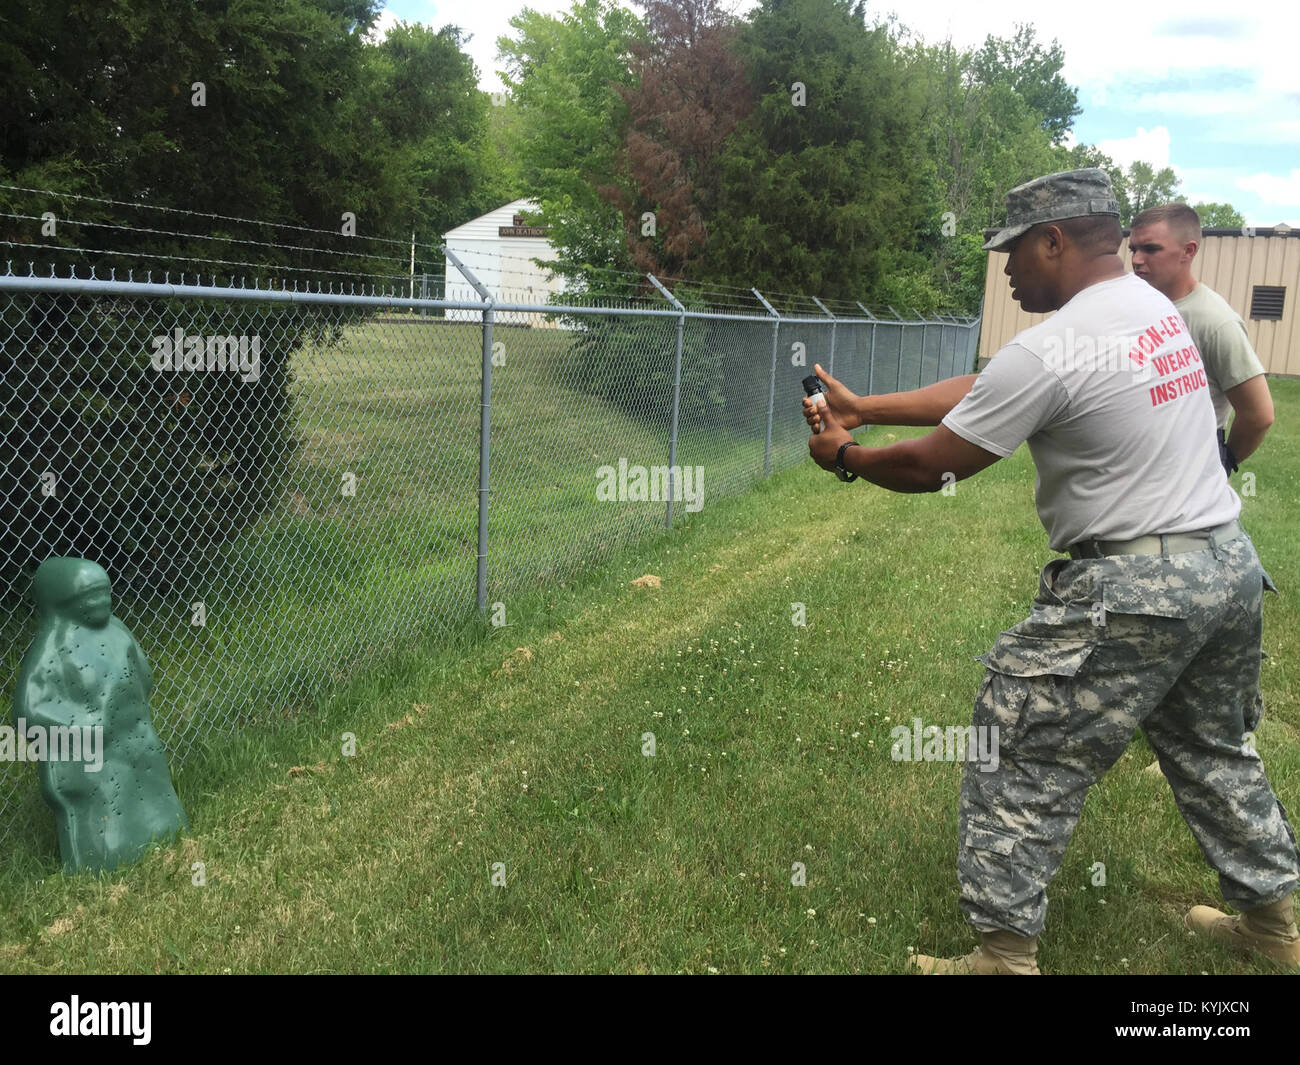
[[989, 858], [1022, 682]]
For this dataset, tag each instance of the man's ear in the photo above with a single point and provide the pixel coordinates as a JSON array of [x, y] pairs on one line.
[[1053, 241]]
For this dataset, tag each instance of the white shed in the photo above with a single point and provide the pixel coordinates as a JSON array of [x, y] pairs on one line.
[[499, 248]]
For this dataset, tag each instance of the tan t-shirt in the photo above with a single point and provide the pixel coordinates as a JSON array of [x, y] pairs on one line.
[[1220, 337]]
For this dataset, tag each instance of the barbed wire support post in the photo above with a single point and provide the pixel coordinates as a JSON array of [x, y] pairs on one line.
[[484, 428], [677, 394], [771, 383]]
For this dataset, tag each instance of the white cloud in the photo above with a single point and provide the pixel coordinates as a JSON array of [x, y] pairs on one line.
[[1148, 146], [1194, 102], [386, 21], [1273, 189], [1119, 42]]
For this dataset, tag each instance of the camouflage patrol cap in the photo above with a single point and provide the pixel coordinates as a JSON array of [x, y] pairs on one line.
[[1069, 194]]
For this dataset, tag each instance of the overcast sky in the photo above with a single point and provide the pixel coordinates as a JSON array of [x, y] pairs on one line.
[[1212, 93]]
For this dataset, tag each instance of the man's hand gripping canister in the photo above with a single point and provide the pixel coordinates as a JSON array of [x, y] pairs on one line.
[[812, 384]]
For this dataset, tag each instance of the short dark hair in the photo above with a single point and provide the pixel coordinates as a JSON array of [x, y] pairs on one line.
[[1094, 234], [1184, 223]]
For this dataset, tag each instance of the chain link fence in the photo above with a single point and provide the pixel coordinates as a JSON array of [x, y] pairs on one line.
[[285, 485]]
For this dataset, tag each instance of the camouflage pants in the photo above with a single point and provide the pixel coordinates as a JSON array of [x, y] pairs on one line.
[[1170, 645]]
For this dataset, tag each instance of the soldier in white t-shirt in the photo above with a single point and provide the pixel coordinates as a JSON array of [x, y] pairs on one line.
[[1154, 621]]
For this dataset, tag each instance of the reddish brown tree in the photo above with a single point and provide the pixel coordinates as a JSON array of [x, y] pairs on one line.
[[690, 93]]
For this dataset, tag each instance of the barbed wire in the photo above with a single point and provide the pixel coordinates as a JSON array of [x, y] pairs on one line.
[[404, 278], [715, 295], [205, 214], [258, 285], [721, 295], [204, 236]]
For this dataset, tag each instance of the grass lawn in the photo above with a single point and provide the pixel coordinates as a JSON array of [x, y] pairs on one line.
[[519, 756]]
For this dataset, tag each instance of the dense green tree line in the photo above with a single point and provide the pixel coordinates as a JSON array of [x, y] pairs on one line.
[[802, 148], [799, 149]]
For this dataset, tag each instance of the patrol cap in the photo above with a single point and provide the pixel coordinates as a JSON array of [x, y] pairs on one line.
[[1069, 194]]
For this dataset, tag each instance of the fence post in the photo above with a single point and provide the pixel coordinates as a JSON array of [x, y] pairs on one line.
[[871, 359], [677, 395], [828, 314], [484, 428], [771, 383], [902, 332], [920, 369]]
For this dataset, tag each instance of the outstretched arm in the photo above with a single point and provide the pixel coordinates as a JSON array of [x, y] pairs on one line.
[[920, 406]]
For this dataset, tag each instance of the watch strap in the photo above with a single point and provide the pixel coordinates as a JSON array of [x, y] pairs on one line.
[[840, 471]]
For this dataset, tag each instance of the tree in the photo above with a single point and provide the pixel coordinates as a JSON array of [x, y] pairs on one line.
[[984, 138], [569, 124], [267, 109], [1034, 72], [1222, 215], [422, 126], [689, 94], [278, 110], [1142, 186], [830, 169]]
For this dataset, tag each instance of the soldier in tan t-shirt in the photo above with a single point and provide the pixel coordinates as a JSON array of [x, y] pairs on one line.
[[1163, 243]]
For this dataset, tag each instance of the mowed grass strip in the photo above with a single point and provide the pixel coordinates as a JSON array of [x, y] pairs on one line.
[[521, 759]]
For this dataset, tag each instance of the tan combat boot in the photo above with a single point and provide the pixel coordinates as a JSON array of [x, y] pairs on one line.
[[1269, 930], [999, 954]]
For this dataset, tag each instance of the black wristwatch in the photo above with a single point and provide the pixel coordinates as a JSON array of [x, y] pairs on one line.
[[840, 471]]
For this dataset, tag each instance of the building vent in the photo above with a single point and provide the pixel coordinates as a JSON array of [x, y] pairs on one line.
[[1266, 302]]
